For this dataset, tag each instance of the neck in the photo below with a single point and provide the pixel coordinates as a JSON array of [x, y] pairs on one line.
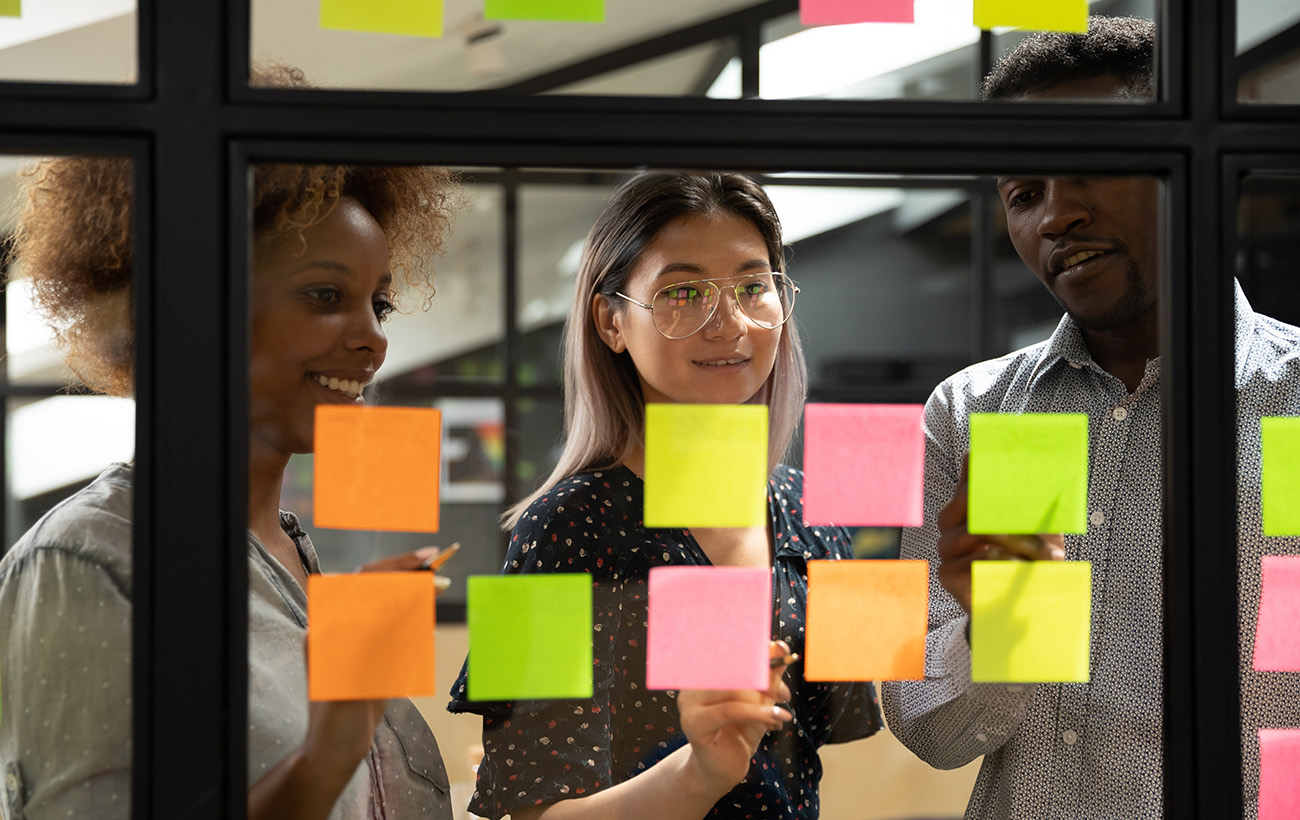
[[1124, 351], [265, 477], [635, 462]]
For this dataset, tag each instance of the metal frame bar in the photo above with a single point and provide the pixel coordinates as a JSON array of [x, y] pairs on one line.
[[192, 125]]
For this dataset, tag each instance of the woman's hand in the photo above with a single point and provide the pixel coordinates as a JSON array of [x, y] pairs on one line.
[[725, 727], [958, 547], [425, 558]]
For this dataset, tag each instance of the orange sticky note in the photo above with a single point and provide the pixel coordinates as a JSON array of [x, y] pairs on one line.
[[370, 635], [845, 596], [377, 468]]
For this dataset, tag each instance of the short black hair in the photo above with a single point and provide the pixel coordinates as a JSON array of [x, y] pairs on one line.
[[1122, 47]]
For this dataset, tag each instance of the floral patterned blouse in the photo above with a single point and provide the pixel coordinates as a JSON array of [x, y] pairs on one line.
[[539, 751]]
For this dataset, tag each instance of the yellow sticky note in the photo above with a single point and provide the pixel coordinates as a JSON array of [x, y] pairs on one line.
[[843, 596], [377, 468], [370, 635], [11, 8], [705, 465], [420, 18], [1041, 15], [1030, 621]]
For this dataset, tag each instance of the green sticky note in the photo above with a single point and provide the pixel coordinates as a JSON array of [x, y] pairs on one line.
[[11, 8], [1280, 481], [420, 18], [578, 11], [529, 636], [1028, 473], [705, 465], [1042, 15], [1029, 621]]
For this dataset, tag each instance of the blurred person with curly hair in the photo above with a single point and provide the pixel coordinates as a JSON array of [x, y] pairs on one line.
[[334, 247]]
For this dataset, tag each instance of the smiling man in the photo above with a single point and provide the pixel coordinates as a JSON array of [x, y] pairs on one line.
[[1085, 750]]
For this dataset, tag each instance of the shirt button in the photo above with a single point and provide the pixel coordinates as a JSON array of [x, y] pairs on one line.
[[1097, 518], [1119, 413], [982, 738], [1069, 737], [1076, 365], [11, 783]]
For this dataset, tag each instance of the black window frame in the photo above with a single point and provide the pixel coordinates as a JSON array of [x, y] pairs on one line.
[[192, 125]]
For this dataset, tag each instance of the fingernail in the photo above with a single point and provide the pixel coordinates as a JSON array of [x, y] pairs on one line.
[[426, 552]]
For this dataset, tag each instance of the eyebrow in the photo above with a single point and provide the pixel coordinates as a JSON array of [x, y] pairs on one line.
[[678, 267], [336, 267]]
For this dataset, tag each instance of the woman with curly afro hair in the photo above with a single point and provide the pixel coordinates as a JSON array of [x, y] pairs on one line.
[[335, 248]]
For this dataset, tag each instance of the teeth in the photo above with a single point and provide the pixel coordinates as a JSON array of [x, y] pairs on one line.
[[720, 364], [348, 387], [1081, 256]]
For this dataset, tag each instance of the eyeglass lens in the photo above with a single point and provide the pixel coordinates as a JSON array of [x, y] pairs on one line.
[[682, 309]]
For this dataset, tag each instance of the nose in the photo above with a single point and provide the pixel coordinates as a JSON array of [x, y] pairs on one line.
[[728, 321], [1065, 208], [366, 333]]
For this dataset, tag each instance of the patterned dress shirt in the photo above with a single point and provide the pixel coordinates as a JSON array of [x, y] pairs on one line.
[[1091, 750]]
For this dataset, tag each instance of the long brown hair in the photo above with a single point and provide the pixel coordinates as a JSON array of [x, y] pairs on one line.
[[604, 412]]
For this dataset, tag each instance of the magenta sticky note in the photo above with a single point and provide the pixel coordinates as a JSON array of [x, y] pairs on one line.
[[1279, 774], [1277, 634], [709, 628], [839, 12], [863, 464]]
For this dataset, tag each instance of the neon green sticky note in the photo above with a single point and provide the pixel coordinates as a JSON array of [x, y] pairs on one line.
[[1030, 621], [1280, 481], [529, 636], [420, 18], [11, 8], [578, 11], [1028, 473], [1042, 15], [705, 465]]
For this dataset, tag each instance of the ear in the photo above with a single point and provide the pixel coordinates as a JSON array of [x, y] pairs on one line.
[[606, 319]]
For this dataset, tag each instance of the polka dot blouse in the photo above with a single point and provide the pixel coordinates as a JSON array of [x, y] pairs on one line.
[[540, 752]]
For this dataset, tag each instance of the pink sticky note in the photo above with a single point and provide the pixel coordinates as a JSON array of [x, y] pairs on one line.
[[863, 464], [1279, 763], [709, 628], [1277, 638], [839, 12]]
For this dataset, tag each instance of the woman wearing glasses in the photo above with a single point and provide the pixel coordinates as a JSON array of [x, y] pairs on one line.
[[682, 298]]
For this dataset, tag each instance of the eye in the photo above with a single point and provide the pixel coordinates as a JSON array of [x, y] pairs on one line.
[[382, 307], [326, 296], [1021, 197]]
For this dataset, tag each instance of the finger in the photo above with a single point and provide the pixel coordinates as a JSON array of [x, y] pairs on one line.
[[405, 562], [712, 719]]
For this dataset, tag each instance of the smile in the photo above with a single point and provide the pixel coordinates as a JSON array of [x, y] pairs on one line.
[[1079, 258], [722, 362], [348, 387]]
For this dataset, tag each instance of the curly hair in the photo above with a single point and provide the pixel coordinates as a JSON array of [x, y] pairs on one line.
[[1122, 47], [74, 241]]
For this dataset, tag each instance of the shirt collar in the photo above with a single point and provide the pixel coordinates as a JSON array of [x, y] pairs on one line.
[[1064, 345], [1243, 329]]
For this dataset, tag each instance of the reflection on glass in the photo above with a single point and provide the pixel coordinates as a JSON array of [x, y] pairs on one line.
[[66, 41], [1268, 52], [65, 612], [1267, 377]]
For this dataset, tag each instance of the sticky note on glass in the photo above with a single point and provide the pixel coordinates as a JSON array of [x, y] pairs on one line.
[[578, 11], [11, 8], [370, 635], [1280, 479], [1040, 15], [377, 468], [420, 18], [1028, 473], [1279, 761], [839, 12], [1030, 621], [1277, 633], [705, 465], [529, 636], [843, 596], [709, 628], [863, 464]]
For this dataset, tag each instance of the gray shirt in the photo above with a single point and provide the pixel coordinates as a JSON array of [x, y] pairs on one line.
[[1091, 750], [65, 674]]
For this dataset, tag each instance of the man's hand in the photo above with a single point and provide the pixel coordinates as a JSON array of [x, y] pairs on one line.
[[958, 547]]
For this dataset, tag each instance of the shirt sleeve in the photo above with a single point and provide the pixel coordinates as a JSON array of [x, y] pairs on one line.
[[542, 751], [65, 689], [946, 719]]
